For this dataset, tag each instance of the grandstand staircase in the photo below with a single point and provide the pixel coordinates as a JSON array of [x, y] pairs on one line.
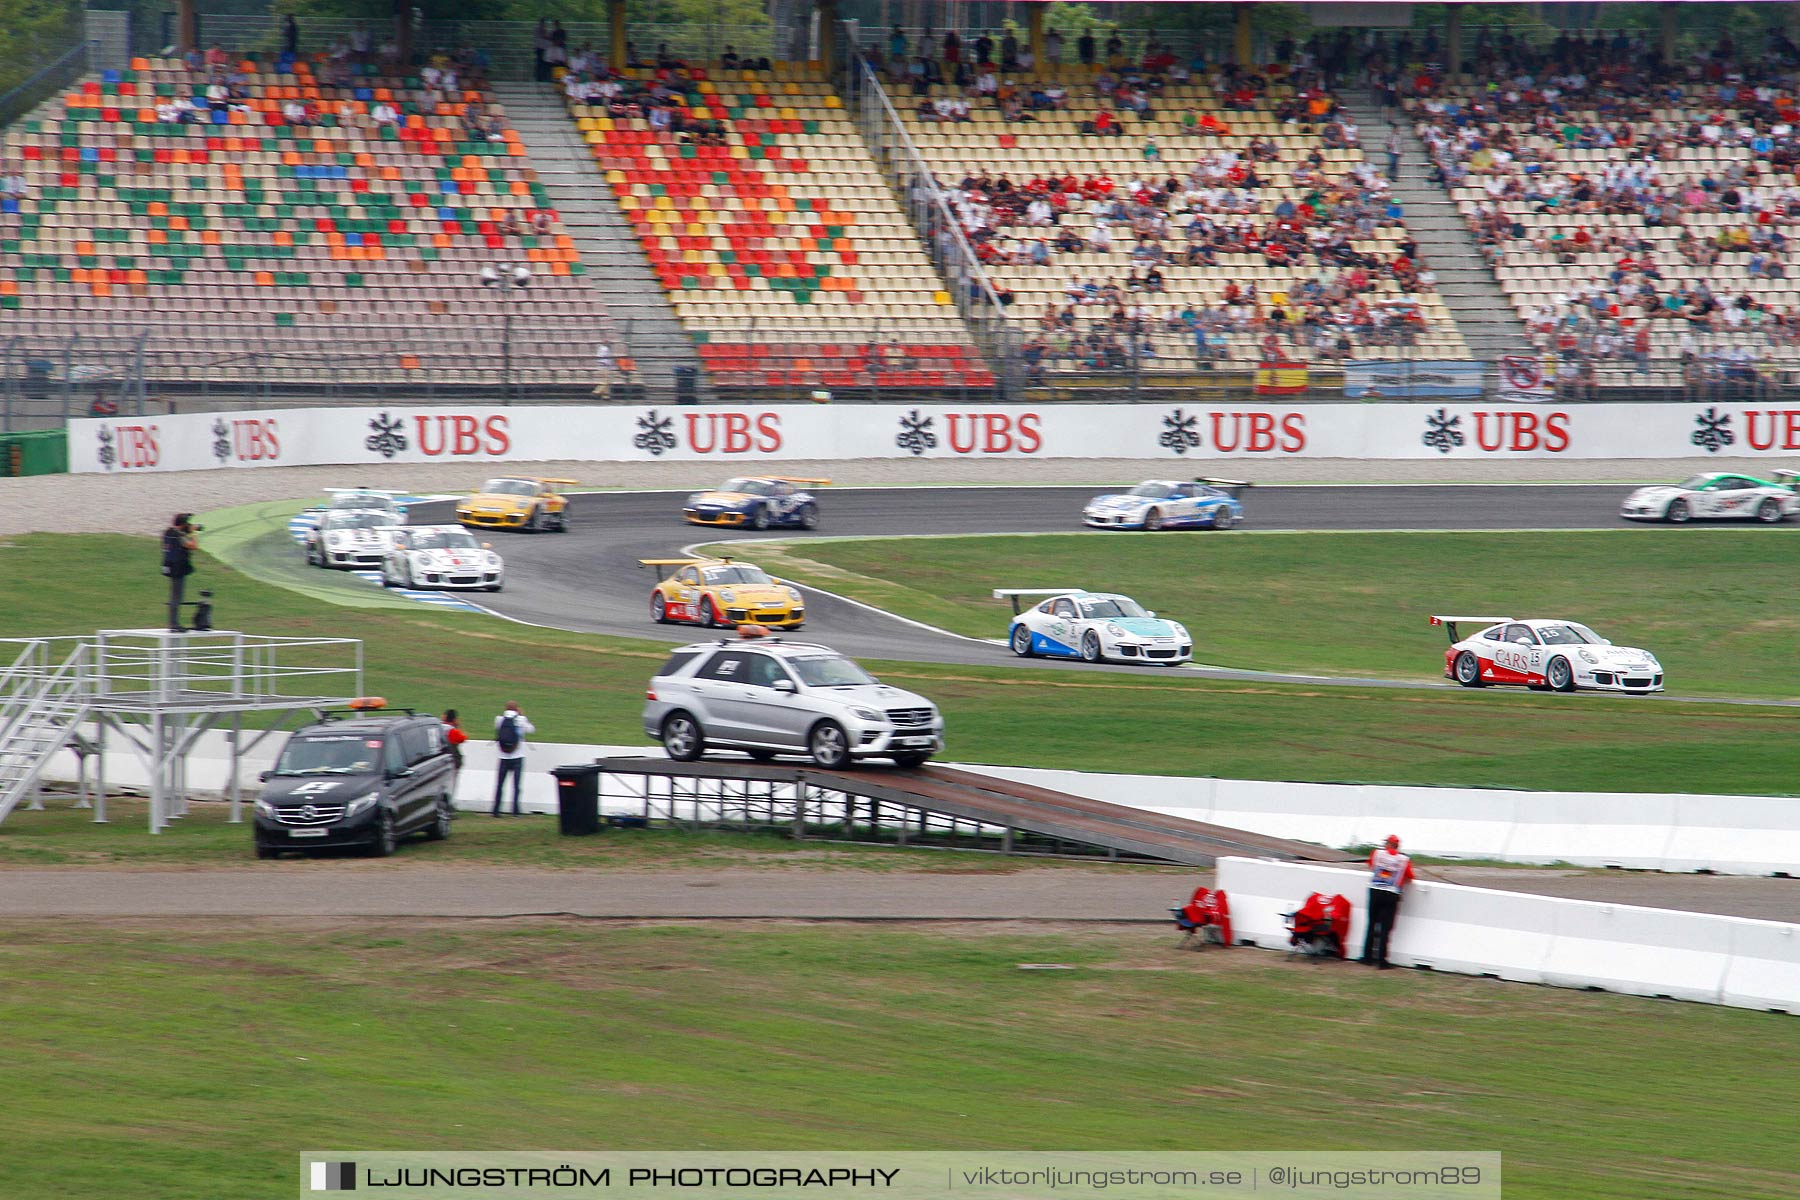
[[609, 248], [42, 705], [1482, 311]]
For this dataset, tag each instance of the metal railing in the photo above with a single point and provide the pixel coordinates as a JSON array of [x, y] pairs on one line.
[[46, 81], [917, 189]]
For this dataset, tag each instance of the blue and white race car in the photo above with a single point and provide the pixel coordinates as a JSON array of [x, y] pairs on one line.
[[1092, 626], [757, 503], [1169, 504]]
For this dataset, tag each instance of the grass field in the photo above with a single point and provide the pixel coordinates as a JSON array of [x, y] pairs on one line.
[[170, 1064], [581, 688], [1715, 605]]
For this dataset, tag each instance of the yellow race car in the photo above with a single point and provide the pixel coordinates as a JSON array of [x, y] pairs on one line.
[[718, 592], [532, 505]]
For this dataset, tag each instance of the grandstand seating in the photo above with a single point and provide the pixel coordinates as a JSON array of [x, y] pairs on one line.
[[1051, 144], [783, 250], [1545, 270], [345, 252]]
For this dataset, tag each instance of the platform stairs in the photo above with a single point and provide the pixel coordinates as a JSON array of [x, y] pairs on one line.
[[44, 697]]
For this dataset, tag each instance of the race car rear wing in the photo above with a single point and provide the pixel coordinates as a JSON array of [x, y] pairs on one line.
[[666, 567], [559, 482], [390, 493], [1017, 594], [1231, 487], [1450, 623], [798, 480], [1789, 479]]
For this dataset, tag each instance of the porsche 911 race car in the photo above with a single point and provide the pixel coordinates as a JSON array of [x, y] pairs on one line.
[[348, 538], [770, 502], [1169, 504], [441, 557], [720, 591], [1560, 656], [532, 505], [1093, 626], [1716, 496], [365, 500]]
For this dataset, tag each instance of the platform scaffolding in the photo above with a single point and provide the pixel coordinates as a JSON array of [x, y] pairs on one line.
[[159, 692]]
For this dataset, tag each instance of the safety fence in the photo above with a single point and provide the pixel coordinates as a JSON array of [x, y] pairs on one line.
[[1183, 434], [1526, 938]]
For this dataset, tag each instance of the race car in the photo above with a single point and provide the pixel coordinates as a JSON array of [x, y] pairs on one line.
[[1716, 496], [770, 502], [1093, 626], [441, 557], [532, 505], [1169, 504], [720, 591], [1544, 654], [348, 538], [365, 500]]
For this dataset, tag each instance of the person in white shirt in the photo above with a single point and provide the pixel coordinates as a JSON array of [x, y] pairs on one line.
[[384, 114], [511, 728]]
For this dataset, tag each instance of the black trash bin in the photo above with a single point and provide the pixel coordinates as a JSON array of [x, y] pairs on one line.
[[687, 385], [577, 799]]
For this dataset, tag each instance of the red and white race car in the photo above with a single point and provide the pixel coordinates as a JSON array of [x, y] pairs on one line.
[[1561, 656]]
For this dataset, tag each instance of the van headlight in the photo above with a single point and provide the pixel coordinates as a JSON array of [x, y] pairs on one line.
[[362, 804], [866, 714]]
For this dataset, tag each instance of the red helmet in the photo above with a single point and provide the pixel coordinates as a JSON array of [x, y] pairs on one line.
[[1393, 841]]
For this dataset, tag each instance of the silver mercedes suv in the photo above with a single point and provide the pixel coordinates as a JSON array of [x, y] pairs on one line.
[[774, 697]]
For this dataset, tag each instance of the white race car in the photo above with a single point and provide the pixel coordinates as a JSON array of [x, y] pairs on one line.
[[348, 538], [1093, 626], [366, 500], [1559, 656], [1169, 504], [1716, 496], [434, 557]]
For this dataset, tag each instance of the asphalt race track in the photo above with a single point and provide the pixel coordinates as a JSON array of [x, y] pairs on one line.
[[589, 580]]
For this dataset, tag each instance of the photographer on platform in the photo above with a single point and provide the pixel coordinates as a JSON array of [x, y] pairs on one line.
[[178, 546]]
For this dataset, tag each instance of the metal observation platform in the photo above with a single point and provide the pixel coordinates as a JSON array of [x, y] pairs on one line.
[[930, 806], [160, 691]]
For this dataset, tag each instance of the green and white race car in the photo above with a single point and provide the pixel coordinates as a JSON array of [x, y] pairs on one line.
[[1716, 497]]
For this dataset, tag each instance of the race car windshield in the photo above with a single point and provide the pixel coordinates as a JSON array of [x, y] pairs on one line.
[[829, 672], [362, 501], [458, 539], [1110, 606], [750, 487], [1566, 635], [509, 487], [1694, 483], [361, 520], [329, 756], [737, 575], [1152, 491]]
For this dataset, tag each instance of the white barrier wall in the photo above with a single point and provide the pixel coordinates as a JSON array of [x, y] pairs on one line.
[[1730, 835], [1539, 939], [614, 433]]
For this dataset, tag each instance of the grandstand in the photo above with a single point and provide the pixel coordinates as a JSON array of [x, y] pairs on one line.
[[897, 220], [786, 256], [306, 224], [1248, 205]]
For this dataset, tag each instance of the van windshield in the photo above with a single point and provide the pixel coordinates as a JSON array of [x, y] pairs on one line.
[[344, 754]]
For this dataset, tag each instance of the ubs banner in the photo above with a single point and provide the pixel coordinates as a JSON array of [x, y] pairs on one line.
[[299, 437]]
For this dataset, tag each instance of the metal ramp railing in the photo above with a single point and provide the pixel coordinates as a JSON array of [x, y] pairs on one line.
[[43, 700]]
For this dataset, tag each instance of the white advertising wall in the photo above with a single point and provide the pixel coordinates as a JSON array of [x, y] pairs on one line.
[[1711, 959], [1190, 433]]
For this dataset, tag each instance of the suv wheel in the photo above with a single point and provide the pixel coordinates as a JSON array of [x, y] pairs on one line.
[[682, 737], [439, 829], [829, 745], [386, 840]]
